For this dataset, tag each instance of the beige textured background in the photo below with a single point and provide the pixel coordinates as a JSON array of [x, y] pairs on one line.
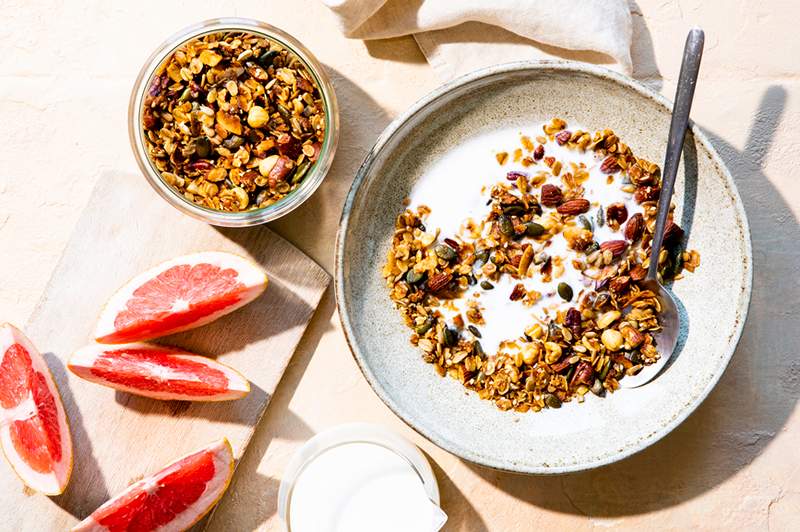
[[67, 68]]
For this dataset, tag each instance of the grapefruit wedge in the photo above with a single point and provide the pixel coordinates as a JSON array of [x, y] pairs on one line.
[[158, 372], [173, 499], [34, 432], [178, 295]]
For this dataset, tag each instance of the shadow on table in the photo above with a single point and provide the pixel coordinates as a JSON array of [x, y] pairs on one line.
[[755, 396]]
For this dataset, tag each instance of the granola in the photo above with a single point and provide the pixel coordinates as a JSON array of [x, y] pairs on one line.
[[233, 121], [562, 267]]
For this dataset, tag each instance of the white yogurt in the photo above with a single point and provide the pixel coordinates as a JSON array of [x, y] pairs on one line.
[[361, 487], [457, 188]]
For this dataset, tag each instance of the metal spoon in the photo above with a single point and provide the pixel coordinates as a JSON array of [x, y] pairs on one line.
[[667, 338]]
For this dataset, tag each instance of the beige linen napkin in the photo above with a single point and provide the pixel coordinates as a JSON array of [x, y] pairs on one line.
[[458, 36]]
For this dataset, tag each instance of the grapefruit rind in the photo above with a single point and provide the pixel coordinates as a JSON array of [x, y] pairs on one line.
[[50, 484], [215, 489], [250, 275], [84, 359]]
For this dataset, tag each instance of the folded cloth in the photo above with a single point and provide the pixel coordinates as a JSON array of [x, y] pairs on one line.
[[458, 36]]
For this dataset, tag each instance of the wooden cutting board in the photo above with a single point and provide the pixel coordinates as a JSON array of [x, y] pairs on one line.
[[125, 229]]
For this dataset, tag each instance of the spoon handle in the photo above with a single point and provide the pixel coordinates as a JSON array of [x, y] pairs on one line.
[[692, 52]]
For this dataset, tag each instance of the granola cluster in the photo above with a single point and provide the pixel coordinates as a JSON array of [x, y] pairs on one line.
[[233, 121], [601, 330]]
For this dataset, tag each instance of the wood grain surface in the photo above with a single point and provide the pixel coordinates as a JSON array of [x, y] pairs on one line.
[[125, 229]]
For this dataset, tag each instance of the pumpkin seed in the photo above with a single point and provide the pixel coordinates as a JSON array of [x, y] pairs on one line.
[[445, 252], [450, 337], [302, 168], [597, 388], [486, 285], [482, 256], [425, 326], [601, 217], [233, 142], [477, 349], [266, 59], [514, 210], [533, 229], [586, 223], [565, 291], [474, 330], [552, 400], [506, 227], [413, 277], [202, 146], [604, 372]]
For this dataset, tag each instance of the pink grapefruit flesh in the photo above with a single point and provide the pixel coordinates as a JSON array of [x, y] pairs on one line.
[[158, 372], [173, 499], [34, 432], [178, 295]]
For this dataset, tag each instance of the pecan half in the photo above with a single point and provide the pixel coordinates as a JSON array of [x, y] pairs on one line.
[[518, 292], [635, 227], [637, 273], [573, 321], [551, 195], [584, 374], [439, 281], [573, 207], [617, 212], [619, 284], [643, 194], [563, 137], [609, 165]]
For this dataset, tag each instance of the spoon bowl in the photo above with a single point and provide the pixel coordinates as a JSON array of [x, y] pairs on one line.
[[666, 339]]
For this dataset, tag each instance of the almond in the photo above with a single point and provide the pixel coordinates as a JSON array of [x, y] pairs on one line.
[[538, 153], [635, 227], [609, 165], [439, 281], [617, 247], [551, 195], [672, 233], [573, 207]]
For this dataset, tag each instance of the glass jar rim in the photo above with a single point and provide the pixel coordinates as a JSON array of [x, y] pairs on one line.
[[316, 173]]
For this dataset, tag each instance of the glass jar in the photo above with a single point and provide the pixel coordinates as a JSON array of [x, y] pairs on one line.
[[313, 177]]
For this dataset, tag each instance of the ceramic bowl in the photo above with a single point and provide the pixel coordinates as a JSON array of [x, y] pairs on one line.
[[713, 300]]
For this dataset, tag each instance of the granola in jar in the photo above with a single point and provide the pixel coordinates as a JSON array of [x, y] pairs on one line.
[[233, 121], [520, 276]]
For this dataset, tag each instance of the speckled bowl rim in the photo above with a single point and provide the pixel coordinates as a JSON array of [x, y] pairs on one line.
[[510, 68]]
